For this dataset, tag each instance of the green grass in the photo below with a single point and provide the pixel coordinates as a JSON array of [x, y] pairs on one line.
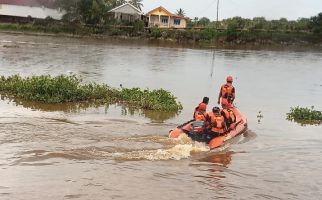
[[60, 89], [305, 115]]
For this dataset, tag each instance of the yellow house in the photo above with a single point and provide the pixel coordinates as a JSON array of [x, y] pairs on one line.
[[164, 19]]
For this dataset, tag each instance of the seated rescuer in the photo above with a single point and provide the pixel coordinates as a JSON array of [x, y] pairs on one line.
[[227, 90], [205, 100], [200, 114], [229, 115], [217, 123]]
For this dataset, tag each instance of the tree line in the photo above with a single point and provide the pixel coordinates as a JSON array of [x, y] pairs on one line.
[[94, 12], [313, 24], [91, 11]]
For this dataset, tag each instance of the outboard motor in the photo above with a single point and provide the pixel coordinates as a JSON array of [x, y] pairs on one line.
[[198, 126]]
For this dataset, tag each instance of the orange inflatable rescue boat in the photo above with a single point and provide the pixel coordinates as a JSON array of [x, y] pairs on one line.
[[195, 130]]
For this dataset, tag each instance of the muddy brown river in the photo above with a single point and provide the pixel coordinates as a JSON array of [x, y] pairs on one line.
[[83, 152]]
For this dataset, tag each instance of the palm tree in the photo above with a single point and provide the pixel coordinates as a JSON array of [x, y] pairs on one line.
[[114, 3], [136, 3], [181, 12]]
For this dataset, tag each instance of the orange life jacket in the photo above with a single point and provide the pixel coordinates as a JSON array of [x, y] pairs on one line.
[[226, 90], [226, 104], [217, 123], [196, 110], [200, 115], [229, 115]]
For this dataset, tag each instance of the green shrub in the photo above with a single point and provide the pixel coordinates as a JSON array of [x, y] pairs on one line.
[[156, 32], [138, 26], [63, 88], [208, 34], [152, 100], [305, 115]]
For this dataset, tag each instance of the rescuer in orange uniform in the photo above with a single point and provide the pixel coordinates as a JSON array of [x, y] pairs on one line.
[[229, 115], [200, 113], [205, 100], [227, 92], [217, 124]]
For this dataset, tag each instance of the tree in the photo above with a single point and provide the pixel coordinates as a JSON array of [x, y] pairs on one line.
[[180, 12], [71, 8], [283, 24], [115, 3], [85, 11], [204, 21], [259, 22], [137, 3], [316, 23], [302, 24]]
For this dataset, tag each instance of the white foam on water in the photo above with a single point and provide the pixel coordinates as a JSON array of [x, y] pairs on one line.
[[181, 150], [6, 41], [175, 153]]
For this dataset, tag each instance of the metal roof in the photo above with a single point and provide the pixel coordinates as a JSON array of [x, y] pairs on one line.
[[135, 8], [33, 3]]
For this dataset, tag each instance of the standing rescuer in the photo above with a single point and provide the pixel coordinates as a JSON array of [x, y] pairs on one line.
[[227, 92]]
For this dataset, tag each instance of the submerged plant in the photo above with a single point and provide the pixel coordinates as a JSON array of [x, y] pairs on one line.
[[60, 89], [305, 115]]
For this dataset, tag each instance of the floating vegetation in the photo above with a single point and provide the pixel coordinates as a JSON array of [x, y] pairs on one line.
[[305, 115], [62, 89]]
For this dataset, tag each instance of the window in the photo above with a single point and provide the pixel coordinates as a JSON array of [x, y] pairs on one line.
[[176, 21], [164, 20]]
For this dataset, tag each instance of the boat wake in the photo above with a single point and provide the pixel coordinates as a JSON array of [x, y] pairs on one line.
[[183, 148], [135, 148]]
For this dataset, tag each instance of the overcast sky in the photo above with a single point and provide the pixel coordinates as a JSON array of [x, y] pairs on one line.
[[270, 9]]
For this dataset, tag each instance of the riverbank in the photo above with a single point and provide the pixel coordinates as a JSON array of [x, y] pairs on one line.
[[199, 38]]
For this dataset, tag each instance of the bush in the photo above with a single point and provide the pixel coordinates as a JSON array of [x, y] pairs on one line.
[[138, 26], [156, 32], [305, 115], [208, 34], [63, 88], [152, 100]]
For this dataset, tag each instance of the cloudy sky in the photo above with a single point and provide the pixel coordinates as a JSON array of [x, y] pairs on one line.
[[270, 9]]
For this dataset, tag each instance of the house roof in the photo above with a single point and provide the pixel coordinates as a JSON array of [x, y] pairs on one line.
[[33, 3], [181, 17], [160, 8], [123, 5]]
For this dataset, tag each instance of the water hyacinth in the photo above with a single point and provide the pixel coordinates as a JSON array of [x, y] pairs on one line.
[[154, 100], [305, 115], [60, 89]]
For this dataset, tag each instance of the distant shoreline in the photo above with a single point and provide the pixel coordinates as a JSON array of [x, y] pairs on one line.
[[182, 38]]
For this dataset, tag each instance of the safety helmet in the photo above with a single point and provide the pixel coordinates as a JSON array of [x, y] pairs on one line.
[[202, 106], [205, 100], [229, 79], [216, 109]]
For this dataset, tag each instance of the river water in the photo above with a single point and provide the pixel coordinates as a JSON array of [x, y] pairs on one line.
[[113, 152]]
